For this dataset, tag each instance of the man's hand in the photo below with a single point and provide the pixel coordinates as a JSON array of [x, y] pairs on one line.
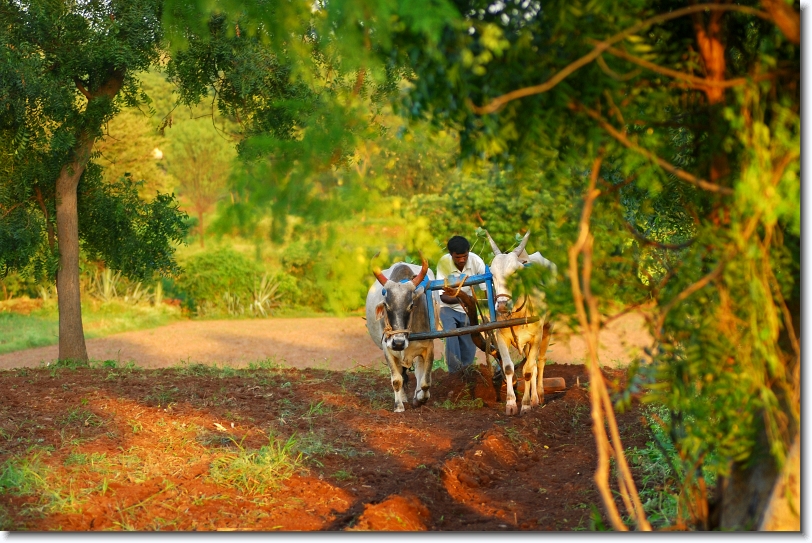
[[449, 295], [456, 296]]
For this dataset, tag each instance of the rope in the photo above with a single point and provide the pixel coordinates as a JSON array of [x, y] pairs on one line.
[[387, 328]]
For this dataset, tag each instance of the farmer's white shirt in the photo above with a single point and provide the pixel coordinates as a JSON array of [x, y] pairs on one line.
[[447, 270]]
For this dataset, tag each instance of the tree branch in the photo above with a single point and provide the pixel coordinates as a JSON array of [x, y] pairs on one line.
[[601, 409], [500, 101], [10, 209], [667, 166], [785, 18], [698, 82], [42, 206], [613, 74], [82, 88]]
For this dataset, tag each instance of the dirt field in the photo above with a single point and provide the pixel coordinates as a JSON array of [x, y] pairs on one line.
[[266, 447]]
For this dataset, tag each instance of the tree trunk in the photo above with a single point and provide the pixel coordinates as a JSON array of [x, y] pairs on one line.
[[757, 495], [71, 333], [746, 492], [783, 511]]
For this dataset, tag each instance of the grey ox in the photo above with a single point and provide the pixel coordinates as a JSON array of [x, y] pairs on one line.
[[531, 339], [396, 306]]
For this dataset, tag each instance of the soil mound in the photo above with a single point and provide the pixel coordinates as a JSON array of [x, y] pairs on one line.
[[397, 513]]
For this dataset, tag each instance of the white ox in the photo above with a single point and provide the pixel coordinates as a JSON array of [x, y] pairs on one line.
[[395, 306], [531, 339]]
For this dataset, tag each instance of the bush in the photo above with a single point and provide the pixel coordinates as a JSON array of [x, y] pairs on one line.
[[207, 277], [289, 292], [15, 285], [298, 257]]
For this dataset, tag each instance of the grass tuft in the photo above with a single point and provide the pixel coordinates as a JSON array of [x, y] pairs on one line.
[[256, 472]]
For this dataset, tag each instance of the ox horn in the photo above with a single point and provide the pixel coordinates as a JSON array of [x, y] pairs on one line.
[[378, 273], [518, 250], [380, 276], [494, 248], [419, 278]]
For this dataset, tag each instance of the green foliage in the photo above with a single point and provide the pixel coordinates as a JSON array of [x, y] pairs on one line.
[[133, 147], [16, 285], [208, 275], [44, 125], [129, 234], [706, 261], [23, 476], [200, 159]]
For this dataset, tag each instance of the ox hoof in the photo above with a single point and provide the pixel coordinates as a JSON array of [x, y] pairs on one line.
[[525, 409], [399, 409], [511, 409]]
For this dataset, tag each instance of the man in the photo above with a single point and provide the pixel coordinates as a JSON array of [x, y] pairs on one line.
[[460, 351]]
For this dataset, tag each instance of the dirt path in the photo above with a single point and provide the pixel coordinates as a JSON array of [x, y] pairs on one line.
[[325, 342]]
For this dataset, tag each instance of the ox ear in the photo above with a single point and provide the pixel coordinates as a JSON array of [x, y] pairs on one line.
[[418, 292], [379, 309], [518, 250], [494, 248]]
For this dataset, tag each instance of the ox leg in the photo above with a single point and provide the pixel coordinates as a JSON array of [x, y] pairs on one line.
[[530, 398], [546, 335], [507, 371], [422, 373], [397, 381]]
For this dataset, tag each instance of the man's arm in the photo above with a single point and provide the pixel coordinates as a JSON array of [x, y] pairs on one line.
[[447, 298]]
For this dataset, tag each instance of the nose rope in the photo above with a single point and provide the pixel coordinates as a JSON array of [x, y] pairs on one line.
[[387, 328]]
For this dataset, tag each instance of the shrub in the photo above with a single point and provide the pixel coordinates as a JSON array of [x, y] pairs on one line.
[[299, 257], [288, 289], [15, 285], [208, 276]]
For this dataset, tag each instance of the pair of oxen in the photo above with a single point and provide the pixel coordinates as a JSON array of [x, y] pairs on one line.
[[396, 306]]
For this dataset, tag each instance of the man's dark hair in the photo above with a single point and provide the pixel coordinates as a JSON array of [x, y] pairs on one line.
[[458, 245]]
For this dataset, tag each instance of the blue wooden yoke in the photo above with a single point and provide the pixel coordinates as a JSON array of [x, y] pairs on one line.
[[438, 284], [486, 278]]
